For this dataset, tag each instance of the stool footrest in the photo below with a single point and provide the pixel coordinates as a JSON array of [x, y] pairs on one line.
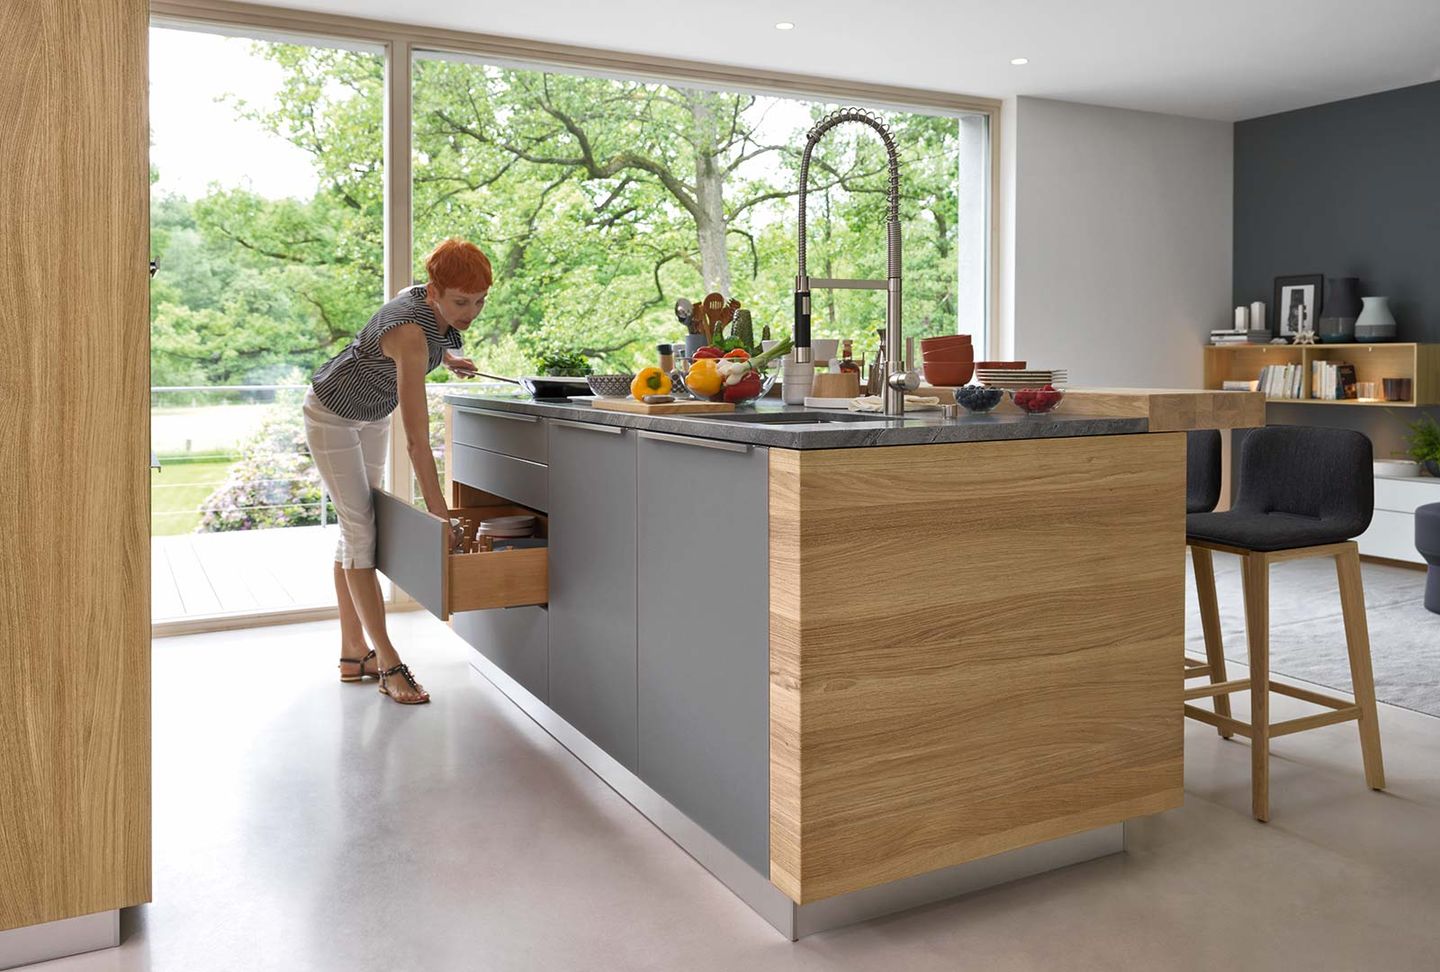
[[1218, 721], [1306, 695], [1217, 688], [1315, 721]]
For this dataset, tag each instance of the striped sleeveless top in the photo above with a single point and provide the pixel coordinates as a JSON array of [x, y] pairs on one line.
[[359, 382]]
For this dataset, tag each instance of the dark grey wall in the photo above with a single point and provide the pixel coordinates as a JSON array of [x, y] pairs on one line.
[[1350, 188]]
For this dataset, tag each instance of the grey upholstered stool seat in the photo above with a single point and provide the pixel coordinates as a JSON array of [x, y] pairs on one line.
[[1299, 487], [1304, 492], [1427, 541]]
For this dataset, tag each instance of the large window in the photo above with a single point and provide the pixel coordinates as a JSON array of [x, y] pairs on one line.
[[601, 201]]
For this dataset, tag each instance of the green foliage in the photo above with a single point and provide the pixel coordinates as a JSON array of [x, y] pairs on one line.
[[599, 201], [559, 363], [1423, 440]]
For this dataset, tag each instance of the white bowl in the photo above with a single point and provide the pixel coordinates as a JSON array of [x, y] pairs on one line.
[[1397, 468]]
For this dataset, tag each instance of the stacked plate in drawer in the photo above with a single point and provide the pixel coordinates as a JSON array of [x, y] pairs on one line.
[[1021, 377]]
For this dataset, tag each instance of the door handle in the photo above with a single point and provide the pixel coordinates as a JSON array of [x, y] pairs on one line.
[[588, 427], [687, 440]]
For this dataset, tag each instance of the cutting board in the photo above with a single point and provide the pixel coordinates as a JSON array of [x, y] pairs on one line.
[[678, 407]]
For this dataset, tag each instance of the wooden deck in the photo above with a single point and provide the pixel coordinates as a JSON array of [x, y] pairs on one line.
[[198, 574]]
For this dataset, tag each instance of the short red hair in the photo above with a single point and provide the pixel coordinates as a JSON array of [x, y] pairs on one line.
[[458, 264]]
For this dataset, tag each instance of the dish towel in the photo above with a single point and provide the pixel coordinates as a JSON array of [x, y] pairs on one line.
[[874, 403]]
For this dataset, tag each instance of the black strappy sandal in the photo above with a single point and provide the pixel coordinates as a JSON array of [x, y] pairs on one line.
[[403, 670], [363, 673]]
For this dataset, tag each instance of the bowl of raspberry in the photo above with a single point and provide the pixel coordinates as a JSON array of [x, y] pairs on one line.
[[1037, 401]]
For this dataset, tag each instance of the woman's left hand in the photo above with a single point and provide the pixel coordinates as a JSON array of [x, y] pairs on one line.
[[460, 367]]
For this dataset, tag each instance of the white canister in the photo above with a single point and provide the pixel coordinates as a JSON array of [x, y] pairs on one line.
[[1257, 316], [1242, 319]]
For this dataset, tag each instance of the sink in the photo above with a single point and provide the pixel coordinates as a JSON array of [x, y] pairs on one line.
[[793, 418]]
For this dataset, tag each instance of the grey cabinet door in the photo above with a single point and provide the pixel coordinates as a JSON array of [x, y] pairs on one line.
[[704, 637], [517, 640], [592, 583]]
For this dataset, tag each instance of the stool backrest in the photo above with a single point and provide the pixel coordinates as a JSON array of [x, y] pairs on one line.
[[1302, 471], [1202, 470]]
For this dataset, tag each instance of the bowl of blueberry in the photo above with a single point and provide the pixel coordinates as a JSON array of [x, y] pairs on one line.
[[978, 399], [1037, 401]]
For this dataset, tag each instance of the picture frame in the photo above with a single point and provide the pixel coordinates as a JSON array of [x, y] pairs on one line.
[[1298, 301]]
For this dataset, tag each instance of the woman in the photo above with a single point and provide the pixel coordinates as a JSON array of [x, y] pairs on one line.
[[347, 427]]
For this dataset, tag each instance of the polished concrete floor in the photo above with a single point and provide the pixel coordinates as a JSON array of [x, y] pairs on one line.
[[302, 824]]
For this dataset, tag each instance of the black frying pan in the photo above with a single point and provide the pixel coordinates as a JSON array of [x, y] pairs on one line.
[[540, 386]]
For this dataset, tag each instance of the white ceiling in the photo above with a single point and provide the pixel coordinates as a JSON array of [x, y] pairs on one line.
[[1221, 59]]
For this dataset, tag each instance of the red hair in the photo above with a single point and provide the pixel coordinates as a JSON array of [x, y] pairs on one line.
[[458, 264]]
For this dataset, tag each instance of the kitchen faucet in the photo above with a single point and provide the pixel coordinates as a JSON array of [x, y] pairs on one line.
[[895, 380]]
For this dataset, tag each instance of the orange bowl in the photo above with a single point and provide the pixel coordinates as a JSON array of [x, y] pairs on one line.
[[948, 374], [944, 341], [957, 353]]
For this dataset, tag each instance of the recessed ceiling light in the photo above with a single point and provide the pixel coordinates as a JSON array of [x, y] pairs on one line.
[[784, 25], [1017, 61]]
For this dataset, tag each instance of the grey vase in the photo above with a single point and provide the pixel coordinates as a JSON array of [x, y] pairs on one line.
[[1375, 322]]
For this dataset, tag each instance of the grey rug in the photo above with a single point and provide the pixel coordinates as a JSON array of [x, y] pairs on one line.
[[1307, 635]]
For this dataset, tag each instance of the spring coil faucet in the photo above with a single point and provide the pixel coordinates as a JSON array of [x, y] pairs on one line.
[[895, 381]]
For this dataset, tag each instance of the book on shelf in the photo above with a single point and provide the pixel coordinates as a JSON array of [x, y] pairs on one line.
[[1333, 381], [1239, 385], [1281, 381], [1229, 337]]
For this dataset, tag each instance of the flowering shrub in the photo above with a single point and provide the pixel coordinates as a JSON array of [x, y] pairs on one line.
[[275, 483]]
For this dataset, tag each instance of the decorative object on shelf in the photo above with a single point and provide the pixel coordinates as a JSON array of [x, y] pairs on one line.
[[1298, 300], [1306, 336], [1342, 306], [1396, 468], [1396, 389], [1375, 322], [1242, 319], [1423, 444], [1257, 316]]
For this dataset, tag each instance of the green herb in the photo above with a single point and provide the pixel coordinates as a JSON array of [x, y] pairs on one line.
[[563, 364], [1424, 440]]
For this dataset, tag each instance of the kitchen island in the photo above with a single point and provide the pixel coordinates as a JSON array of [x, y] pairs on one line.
[[849, 663]]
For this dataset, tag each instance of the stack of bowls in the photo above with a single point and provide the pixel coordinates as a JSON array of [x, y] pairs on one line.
[[949, 361]]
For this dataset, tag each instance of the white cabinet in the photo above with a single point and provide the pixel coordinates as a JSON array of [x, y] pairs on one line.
[[1392, 530]]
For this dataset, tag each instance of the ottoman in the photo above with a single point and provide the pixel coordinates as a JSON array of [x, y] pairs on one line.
[[1427, 541]]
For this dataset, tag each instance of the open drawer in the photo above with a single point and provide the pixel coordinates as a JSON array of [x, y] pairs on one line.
[[412, 549]]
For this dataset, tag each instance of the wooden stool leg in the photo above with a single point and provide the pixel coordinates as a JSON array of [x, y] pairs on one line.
[[1204, 563], [1357, 642], [1257, 632]]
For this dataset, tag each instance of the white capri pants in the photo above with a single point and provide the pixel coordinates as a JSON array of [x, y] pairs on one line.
[[350, 457]]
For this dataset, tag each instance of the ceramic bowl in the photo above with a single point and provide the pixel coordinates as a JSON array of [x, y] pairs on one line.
[[1037, 401], [948, 374], [958, 353], [944, 341], [610, 386], [1396, 468]]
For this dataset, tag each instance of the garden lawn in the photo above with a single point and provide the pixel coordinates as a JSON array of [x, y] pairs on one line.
[[178, 489]]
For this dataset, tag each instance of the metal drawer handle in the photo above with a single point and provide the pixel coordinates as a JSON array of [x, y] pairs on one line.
[[697, 443], [512, 416], [588, 427]]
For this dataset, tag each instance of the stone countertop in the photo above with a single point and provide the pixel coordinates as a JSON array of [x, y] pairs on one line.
[[919, 428]]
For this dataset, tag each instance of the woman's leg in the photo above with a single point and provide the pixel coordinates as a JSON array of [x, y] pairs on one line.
[[350, 458], [352, 633]]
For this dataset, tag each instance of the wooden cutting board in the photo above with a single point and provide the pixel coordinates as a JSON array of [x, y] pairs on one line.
[[677, 407]]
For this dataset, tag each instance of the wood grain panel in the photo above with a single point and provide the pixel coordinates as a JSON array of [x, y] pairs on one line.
[[974, 647], [1171, 410], [74, 435]]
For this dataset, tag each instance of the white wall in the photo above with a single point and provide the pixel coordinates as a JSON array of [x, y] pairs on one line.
[[1118, 258]]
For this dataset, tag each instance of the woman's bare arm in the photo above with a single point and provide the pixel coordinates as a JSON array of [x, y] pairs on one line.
[[406, 345]]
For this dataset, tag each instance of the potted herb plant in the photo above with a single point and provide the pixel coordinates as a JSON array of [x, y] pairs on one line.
[[1423, 442]]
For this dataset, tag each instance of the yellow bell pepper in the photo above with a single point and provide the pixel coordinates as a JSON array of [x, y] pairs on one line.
[[704, 377], [650, 381]]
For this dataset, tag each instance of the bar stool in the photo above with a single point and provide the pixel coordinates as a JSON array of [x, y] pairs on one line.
[[1427, 542], [1202, 492], [1304, 492]]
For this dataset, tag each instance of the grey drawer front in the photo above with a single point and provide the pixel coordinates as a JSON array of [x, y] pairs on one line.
[[704, 686], [410, 550], [510, 434], [515, 639], [517, 480]]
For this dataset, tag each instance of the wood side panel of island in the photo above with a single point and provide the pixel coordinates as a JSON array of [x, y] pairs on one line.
[[974, 647]]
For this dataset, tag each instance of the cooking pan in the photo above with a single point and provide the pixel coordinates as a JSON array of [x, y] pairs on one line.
[[544, 386]]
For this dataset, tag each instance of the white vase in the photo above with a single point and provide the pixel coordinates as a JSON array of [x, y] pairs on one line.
[[1375, 322]]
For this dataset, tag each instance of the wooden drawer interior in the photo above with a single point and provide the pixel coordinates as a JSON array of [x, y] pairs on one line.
[[497, 578]]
